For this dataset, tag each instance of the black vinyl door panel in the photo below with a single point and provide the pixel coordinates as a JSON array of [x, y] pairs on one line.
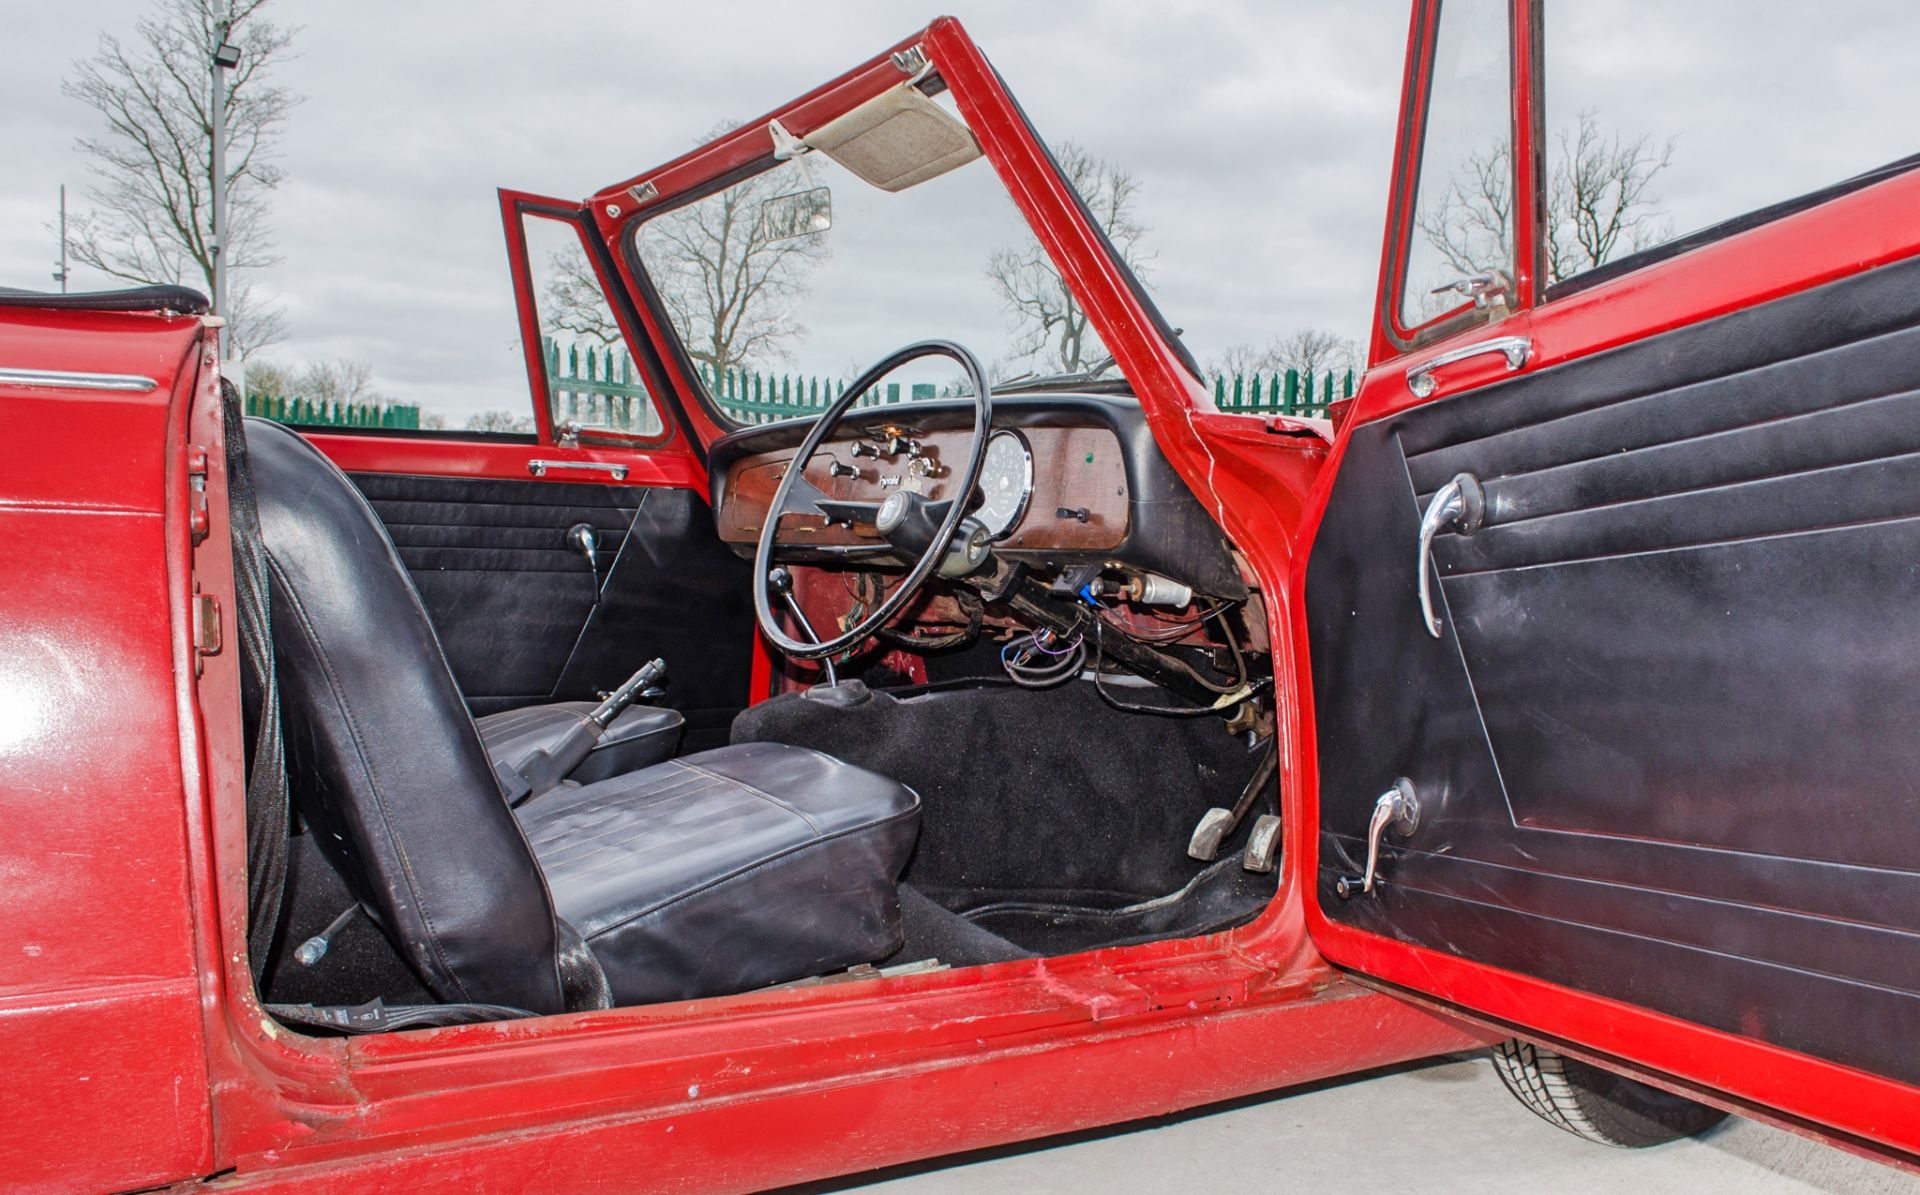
[[517, 610], [1668, 747]]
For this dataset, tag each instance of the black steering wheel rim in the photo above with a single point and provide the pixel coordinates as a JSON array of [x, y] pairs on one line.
[[923, 568]]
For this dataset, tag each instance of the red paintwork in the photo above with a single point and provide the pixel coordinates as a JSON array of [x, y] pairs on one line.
[[100, 992], [525, 300], [183, 1077], [372, 453]]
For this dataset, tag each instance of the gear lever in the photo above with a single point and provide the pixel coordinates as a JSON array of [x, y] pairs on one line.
[[782, 582]]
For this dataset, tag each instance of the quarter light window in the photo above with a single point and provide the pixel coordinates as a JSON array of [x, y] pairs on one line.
[[593, 385], [1462, 227]]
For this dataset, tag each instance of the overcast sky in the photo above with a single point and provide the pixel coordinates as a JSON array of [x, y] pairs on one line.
[[1261, 133]]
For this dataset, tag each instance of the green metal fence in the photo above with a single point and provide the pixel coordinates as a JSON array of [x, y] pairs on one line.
[[320, 413], [602, 388], [599, 387], [1283, 393]]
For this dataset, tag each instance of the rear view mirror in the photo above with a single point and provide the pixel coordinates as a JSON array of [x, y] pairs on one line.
[[796, 214]]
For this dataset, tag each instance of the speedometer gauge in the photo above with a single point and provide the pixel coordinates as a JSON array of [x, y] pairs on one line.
[[1006, 482]]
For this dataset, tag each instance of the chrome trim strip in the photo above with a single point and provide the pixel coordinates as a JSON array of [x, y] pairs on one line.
[[60, 379]]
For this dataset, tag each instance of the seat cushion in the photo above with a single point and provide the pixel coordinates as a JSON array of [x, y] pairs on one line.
[[639, 738], [729, 869]]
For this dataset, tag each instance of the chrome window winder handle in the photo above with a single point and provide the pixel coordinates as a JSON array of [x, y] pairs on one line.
[[1397, 809], [1460, 504]]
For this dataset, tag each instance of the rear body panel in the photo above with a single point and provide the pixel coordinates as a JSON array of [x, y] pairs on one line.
[[100, 1002]]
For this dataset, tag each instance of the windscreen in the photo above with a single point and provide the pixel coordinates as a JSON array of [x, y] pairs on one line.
[[779, 305]]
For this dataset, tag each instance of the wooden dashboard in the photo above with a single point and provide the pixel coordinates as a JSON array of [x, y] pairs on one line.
[[1081, 470]]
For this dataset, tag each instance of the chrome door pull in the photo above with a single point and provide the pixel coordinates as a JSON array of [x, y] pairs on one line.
[[1460, 503], [1516, 349], [540, 468], [1397, 809]]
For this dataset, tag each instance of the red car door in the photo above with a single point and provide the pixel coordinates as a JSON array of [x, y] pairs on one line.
[[494, 523], [1612, 663]]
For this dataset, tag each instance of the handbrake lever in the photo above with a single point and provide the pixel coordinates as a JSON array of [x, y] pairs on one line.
[[548, 768], [544, 771], [622, 697]]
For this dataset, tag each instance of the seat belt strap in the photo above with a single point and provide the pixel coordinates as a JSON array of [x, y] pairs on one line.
[[268, 819]]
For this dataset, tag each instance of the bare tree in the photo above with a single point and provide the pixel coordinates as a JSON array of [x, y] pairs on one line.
[[1051, 326], [730, 285], [1471, 222], [269, 378], [1599, 204], [152, 207], [499, 421], [1598, 198], [1240, 359], [1315, 351], [338, 382], [572, 300], [1309, 350]]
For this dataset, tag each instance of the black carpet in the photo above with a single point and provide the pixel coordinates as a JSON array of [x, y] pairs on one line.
[[359, 965], [1048, 817], [933, 932], [1223, 895]]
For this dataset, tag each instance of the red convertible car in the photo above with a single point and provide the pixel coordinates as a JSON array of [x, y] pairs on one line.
[[660, 801]]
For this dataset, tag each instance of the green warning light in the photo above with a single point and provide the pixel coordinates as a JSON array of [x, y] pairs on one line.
[[1089, 458]]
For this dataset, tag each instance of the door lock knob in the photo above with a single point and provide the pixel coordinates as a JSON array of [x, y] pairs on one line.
[[1397, 809]]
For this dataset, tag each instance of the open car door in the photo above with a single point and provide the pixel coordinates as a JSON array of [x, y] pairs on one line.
[[1612, 611]]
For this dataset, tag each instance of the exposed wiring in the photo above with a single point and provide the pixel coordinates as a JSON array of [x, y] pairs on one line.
[[1170, 631], [858, 586], [1063, 661], [1226, 633], [1228, 699]]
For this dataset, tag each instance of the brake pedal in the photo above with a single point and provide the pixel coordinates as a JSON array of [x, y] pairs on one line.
[[1215, 825], [1263, 844]]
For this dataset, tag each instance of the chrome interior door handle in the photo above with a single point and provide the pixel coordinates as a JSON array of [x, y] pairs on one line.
[[1397, 809], [541, 468], [1461, 504], [1516, 349]]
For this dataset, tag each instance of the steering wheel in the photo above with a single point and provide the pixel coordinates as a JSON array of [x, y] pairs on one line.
[[902, 508]]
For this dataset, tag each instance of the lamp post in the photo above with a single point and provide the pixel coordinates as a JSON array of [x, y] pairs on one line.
[[226, 56], [60, 275]]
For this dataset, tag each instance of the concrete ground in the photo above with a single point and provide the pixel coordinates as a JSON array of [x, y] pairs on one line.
[[1443, 1127]]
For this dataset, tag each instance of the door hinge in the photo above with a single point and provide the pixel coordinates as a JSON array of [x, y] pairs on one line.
[[207, 634], [198, 521]]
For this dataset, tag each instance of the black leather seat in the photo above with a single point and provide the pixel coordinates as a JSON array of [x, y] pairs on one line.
[[718, 872], [639, 737]]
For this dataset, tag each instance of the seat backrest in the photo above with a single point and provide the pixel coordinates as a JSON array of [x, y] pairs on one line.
[[383, 759]]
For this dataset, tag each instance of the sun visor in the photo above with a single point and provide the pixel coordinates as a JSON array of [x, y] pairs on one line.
[[896, 139]]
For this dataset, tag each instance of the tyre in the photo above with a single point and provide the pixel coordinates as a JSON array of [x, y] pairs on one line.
[[1597, 1104]]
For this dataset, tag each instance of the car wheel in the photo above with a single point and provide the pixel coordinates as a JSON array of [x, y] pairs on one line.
[[1597, 1104]]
